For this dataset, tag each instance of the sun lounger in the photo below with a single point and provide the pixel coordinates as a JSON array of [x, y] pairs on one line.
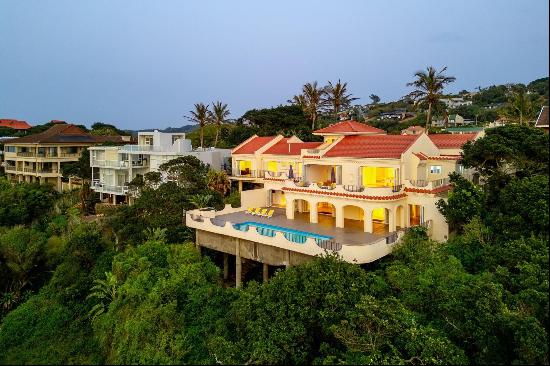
[[249, 210], [262, 212], [269, 214], [256, 211]]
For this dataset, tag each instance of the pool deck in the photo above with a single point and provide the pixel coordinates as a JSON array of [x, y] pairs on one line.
[[352, 234]]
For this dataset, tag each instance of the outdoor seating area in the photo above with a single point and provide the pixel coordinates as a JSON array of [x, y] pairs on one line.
[[260, 212]]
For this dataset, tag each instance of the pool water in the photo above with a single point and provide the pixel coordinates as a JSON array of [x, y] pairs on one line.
[[295, 236]]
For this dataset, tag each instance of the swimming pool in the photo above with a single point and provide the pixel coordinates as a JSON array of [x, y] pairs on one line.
[[295, 236]]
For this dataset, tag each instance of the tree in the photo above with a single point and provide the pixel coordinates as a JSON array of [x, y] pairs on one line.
[[200, 200], [336, 96], [104, 290], [218, 181], [218, 115], [311, 101], [519, 105], [429, 86], [200, 115], [374, 98], [23, 203]]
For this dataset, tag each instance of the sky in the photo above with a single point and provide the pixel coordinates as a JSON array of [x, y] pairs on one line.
[[143, 64]]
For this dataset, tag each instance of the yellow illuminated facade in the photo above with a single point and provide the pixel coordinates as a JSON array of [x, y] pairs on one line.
[[378, 176]]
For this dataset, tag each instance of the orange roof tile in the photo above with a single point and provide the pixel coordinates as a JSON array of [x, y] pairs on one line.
[[58, 133], [451, 141], [15, 124], [372, 146], [253, 145], [349, 128], [283, 147]]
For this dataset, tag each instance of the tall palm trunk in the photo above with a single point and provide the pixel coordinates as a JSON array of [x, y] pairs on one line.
[[428, 117], [202, 134]]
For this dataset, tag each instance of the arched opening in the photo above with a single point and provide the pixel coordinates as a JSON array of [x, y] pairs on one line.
[[415, 215], [400, 217], [354, 217], [326, 213], [380, 220]]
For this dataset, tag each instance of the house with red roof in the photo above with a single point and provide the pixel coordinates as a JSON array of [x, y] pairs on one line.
[[355, 193], [14, 124]]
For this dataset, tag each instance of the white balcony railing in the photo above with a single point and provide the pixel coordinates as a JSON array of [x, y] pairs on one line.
[[105, 188], [119, 163]]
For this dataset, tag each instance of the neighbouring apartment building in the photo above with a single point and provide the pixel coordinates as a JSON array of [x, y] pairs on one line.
[[355, 193], [39, 157], [114, 167], [455, 102]]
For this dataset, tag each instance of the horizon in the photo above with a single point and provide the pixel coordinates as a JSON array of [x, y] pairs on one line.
[[101, 62]]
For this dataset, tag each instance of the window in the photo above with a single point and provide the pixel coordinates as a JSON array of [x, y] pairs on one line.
[[377, 176], [176, 137], [148, 140], [10, 149], [435, 169]]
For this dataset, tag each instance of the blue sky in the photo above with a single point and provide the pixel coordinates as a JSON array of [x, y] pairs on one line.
[[142, 64]]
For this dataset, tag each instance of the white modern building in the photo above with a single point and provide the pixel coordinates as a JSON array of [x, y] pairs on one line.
[[455, 102], [114, 167]]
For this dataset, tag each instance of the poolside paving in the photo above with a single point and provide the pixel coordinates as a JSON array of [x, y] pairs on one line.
[[352, 234]]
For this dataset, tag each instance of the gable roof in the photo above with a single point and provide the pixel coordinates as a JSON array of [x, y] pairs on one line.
[[451, 141], [15, 124], [542, 121], [372, 146], [252, 145], [284, 147], [349, 128], [59, 133]]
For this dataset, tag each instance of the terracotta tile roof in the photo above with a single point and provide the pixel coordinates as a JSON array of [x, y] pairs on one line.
[[59, 133], [15, 124], [372, 146], [423, 156], [451, 141], [253, 145], [283, 147], [349, 128], [542, 121]]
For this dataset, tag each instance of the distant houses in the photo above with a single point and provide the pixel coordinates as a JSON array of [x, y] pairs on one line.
[[542, 120], [14, 124], [455, 102], [397, 114]]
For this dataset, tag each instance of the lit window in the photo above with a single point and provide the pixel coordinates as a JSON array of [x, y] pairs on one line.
[[435, 169]]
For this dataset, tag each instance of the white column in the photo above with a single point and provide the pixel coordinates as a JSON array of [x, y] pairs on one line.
[[290, 209], [368, 220], [313, 213], [391, 220], [339, 216]]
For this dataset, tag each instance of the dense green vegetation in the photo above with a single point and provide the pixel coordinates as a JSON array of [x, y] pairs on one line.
[[130, 288]]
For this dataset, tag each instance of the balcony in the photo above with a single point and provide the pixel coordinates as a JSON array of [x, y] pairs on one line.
[[111, 189], [69, 155], [338, 190], [428, 185], [247, 174], [139, 148], [353, 245], [119, 163], [26, 154]]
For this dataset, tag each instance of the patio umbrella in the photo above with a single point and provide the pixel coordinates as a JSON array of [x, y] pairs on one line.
[[290, 173], [332, 175]]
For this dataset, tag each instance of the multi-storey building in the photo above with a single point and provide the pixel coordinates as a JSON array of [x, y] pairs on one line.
[[39, 157], [114, 167], [355, 192]]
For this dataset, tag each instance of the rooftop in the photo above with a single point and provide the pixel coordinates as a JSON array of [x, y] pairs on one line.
[[349, 128], [64, 133], [284, 147], [542, 121], [451, 141], [253, 144], [372, 146], [15, 124]]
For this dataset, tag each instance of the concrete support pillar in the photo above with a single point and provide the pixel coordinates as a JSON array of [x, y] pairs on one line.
[[339, 216], [265, 272], [290, 209], [238, 264], [368, 221], [403, 216], [313, 214], [59, 184], [240, 183], [225, 266], [391, 220], [197, 243], [114, 199], [287, 259]]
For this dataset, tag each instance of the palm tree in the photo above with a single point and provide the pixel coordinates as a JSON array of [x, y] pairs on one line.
[[218, 115], [200, 115], [336, 96], [105, 290], [218, 181], [428, 86], [311, 100], [519, 104], [200, 200]]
